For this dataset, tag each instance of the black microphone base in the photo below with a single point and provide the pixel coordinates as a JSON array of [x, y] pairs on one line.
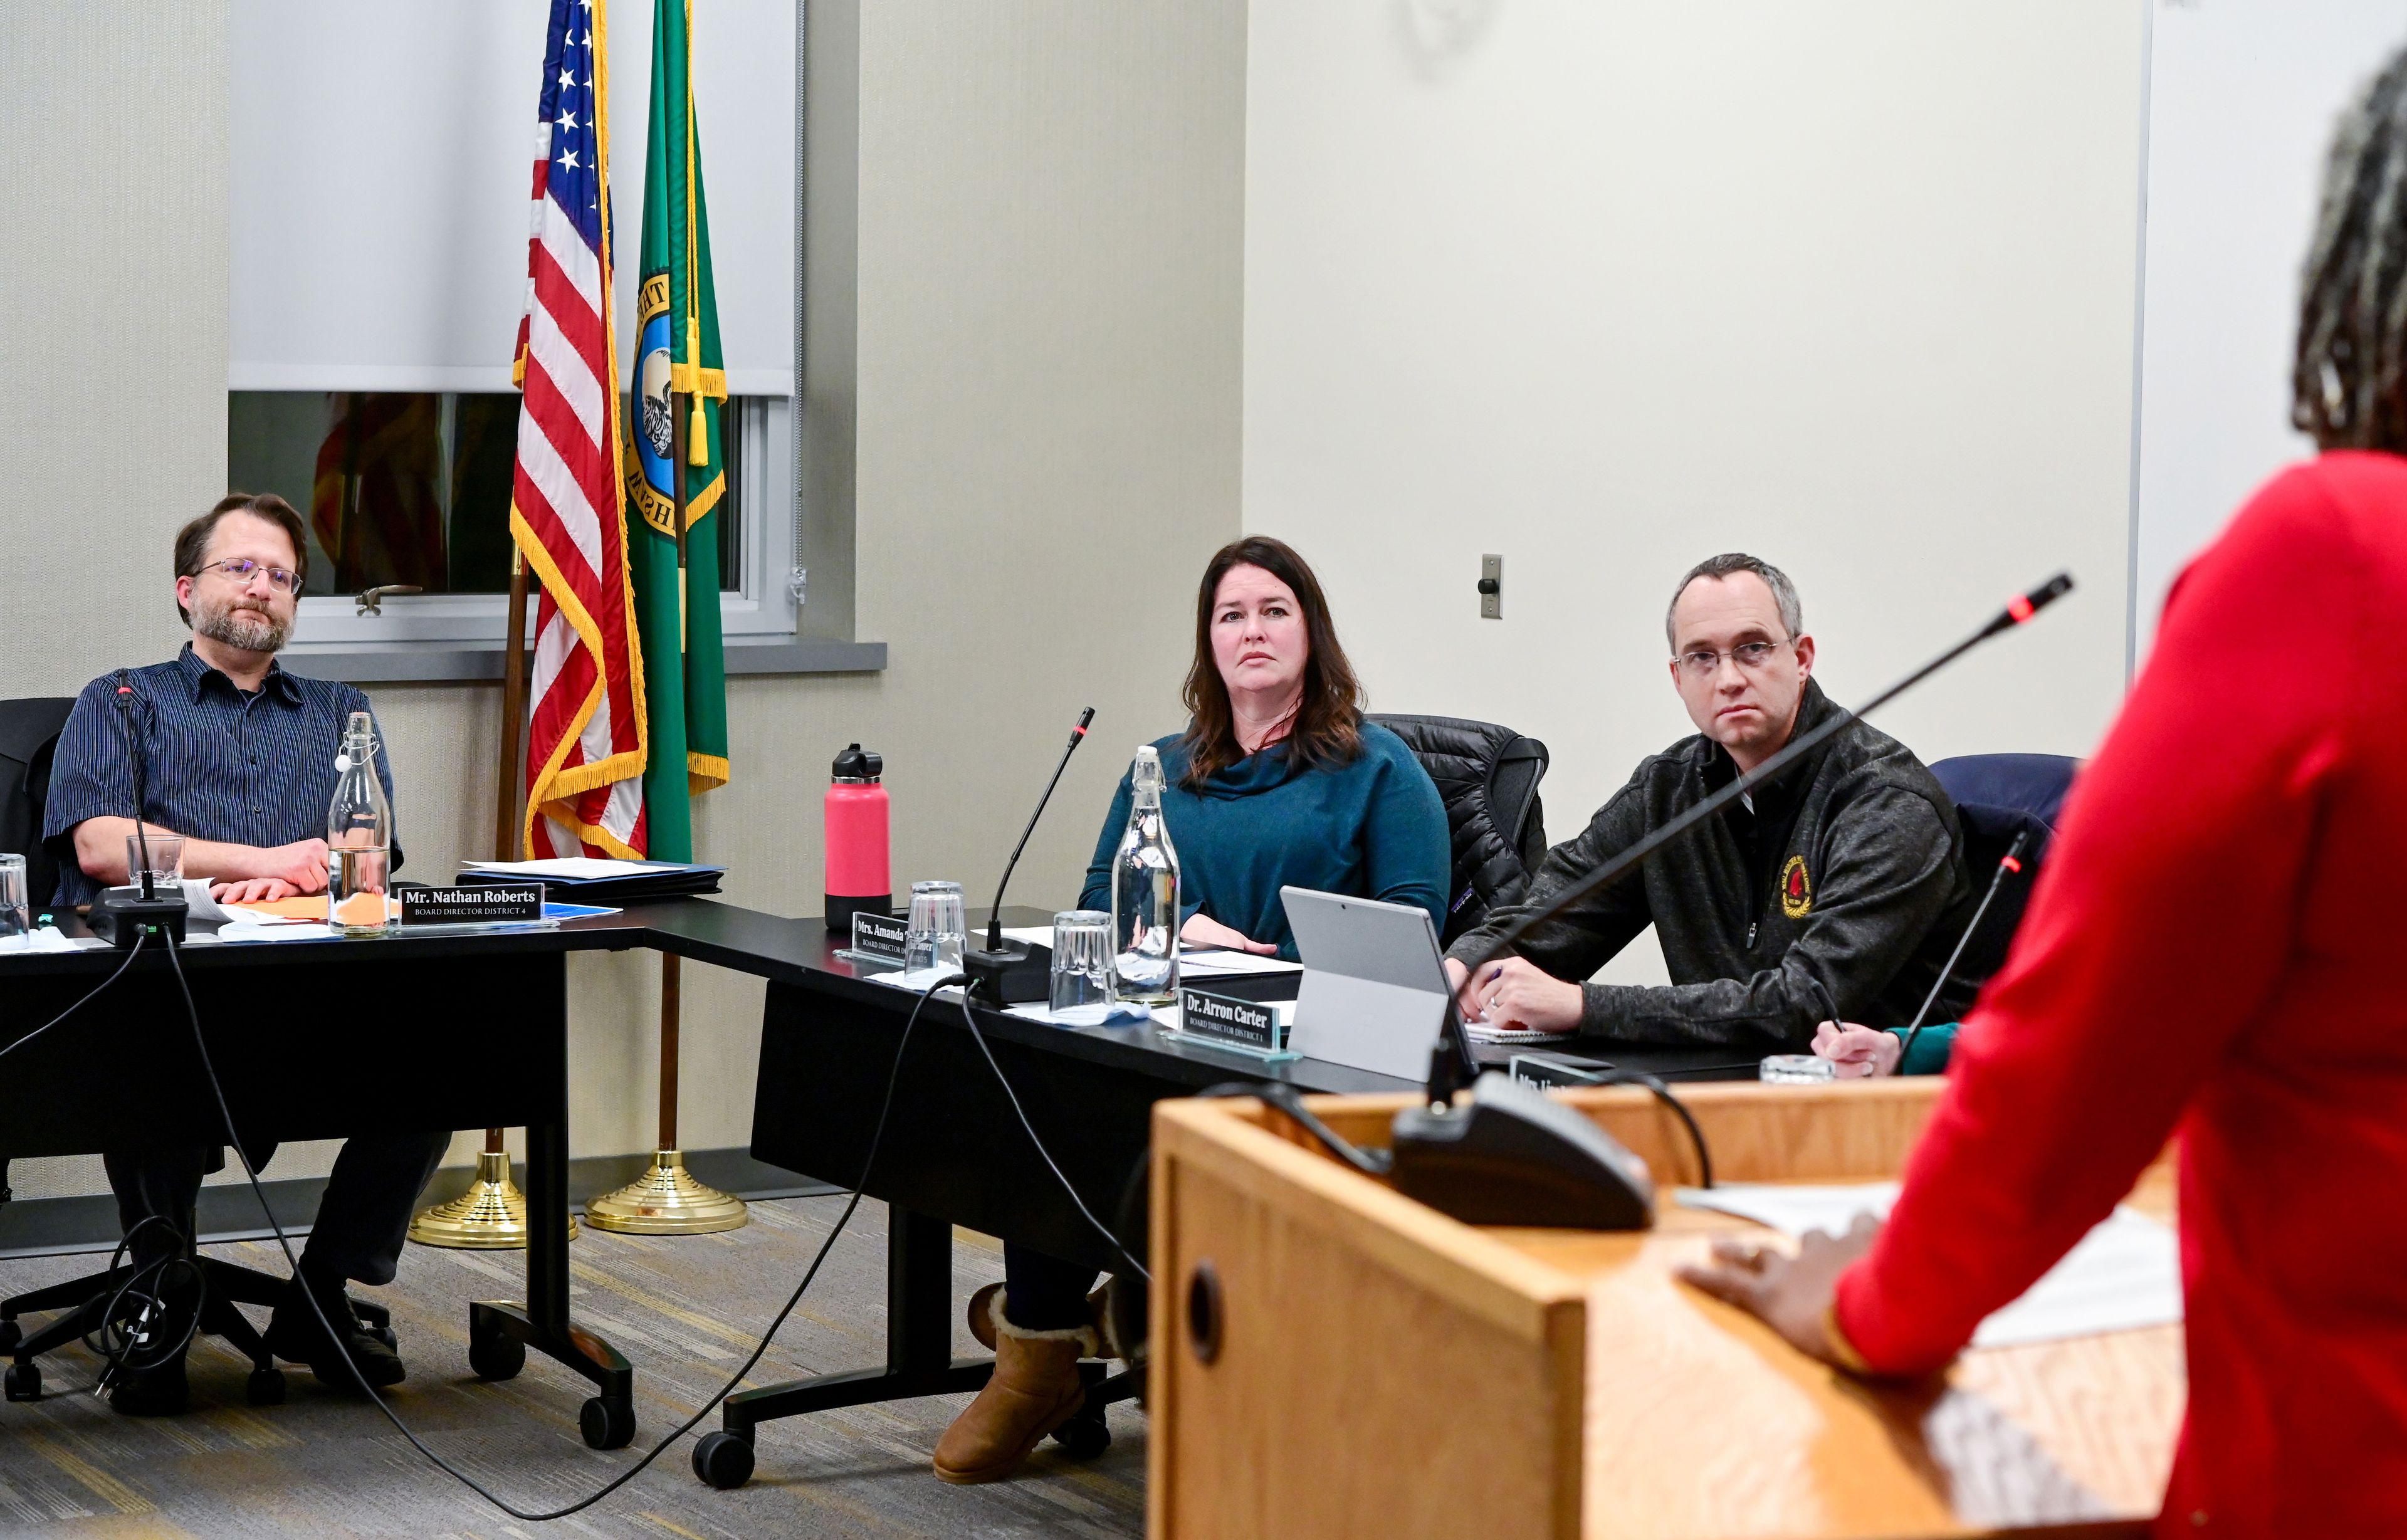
[[121, 913], [1018, 975]]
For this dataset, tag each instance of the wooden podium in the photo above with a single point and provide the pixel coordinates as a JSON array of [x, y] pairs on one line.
[[1331, 1359]]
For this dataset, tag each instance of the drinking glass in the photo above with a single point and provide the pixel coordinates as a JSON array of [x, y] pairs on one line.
[[16, 913], [166, 861], [938, 929], [1083, 974], [1798, 1069]]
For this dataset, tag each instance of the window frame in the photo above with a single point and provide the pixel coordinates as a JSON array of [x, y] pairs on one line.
[[761, 605]]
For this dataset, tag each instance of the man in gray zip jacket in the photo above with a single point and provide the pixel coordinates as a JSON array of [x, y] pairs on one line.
[[1836, 893]]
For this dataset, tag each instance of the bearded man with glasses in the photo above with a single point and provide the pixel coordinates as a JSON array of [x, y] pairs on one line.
[[1820, 895], [239, 760]]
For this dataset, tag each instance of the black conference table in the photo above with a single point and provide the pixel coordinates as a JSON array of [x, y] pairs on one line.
[[323, 1038]]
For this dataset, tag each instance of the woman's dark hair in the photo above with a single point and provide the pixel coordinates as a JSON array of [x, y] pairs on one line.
[[2348, 387], [192, 540], [1327, 728]]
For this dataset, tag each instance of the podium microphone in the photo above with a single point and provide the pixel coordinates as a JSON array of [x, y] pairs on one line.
[[1008, 973], [1453, 1159]]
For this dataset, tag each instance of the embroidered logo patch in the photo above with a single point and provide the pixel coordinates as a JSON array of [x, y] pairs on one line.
[[1796, 890]]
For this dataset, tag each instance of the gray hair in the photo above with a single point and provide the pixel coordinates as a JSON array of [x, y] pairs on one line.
[[2348, 385], [1728, 564]]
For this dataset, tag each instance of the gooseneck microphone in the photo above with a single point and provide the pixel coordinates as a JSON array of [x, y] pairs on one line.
[[2010, 861], [1451, 1067], [119, 915], [1011, 971], [125, 699]]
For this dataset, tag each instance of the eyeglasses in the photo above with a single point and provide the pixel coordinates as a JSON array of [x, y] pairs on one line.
[[242, 569], [1705, 662]]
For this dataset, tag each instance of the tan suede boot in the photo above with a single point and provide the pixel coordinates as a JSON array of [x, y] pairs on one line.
[[1035, 1388], [984, 1303]]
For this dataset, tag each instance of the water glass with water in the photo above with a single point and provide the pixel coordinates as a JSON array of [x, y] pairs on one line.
[[938, 928], [16, 913], [164, 860], [1082, 992]]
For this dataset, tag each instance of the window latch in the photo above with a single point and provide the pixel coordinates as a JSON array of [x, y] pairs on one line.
[[371, 601]]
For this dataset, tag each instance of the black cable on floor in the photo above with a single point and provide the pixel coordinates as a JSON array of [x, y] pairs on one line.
[[226, 1116]]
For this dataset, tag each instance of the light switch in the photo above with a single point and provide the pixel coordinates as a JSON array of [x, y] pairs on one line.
[[1491, 588]]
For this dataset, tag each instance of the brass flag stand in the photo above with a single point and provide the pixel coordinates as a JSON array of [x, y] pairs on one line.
[[492, 1215], [667, 1199]]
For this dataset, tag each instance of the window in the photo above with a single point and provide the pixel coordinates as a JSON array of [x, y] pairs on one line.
[[411, 491]]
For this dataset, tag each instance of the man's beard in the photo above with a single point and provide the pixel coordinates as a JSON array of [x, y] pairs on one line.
[[238, 627]]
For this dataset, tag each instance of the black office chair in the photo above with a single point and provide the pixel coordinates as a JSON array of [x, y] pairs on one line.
[[1998, 796], [29, 732], [1487, 778]]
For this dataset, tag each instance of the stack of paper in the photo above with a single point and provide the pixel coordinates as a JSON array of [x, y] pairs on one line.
[[585, 879], [2126, 1272]]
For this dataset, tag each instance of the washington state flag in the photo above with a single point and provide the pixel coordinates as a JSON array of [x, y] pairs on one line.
[[680, 383]]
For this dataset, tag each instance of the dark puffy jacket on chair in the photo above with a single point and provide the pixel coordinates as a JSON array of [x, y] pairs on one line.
[[1487, 776]]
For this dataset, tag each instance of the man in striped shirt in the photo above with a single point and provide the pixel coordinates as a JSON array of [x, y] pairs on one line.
[[238, 756]]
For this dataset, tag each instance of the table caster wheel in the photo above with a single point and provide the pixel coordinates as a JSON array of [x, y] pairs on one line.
[[608, 1422], [723, 1461], [264, 1388], [23, 1382], [1082, 1438], [497, 1357], [10, 1335]]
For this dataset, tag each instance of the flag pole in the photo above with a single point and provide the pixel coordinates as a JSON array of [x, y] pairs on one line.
[[492, 1215], [667, 1199]]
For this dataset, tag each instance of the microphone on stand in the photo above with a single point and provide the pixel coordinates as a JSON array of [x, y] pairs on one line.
[[2010, 861], [1008, 973], [121, 913], [1455, 1159]]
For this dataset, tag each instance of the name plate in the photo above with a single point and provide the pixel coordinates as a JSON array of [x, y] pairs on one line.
[[878, 936], [1224, 1018], [471, 905]]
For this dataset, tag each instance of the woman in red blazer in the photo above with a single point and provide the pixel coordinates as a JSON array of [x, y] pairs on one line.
[[2215, 950]]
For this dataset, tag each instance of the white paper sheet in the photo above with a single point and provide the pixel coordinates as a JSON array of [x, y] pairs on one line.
[[2124, 1273], [273, 929], [47, 939], [1034, 935], [1221, 964]]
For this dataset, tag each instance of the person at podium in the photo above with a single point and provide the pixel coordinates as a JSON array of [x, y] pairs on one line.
[[2212, 955], [1277, 780], [239, 761], [1826, 892]]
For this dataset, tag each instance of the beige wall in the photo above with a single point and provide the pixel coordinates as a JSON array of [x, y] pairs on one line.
[[1047, 245], [1609, 288]]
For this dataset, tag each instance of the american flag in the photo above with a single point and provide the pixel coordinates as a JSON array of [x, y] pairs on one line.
[[585, 741]]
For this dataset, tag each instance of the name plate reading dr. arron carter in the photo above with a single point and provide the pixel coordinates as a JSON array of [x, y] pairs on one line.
[[1223, 1021]]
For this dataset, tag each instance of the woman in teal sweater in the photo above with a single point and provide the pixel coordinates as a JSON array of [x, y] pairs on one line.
[[1277, 781]]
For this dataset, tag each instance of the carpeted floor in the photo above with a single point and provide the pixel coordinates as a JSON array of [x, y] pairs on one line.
[[686, 1311]]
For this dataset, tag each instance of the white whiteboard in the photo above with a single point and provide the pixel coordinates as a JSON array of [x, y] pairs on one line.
[[2242, 98]]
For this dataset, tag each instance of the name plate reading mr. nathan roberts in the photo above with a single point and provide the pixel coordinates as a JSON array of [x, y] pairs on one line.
[[1237, 1023], [495, 906]]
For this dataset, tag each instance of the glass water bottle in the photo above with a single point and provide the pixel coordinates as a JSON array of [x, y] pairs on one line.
[[359, 837], [1144, 893]]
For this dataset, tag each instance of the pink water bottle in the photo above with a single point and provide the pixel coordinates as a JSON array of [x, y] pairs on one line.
[[857, 845]]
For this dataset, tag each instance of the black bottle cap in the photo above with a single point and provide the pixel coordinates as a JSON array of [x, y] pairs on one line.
[[852, 765]]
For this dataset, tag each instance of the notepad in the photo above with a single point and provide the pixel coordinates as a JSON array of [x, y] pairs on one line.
[[2124, 1274]]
